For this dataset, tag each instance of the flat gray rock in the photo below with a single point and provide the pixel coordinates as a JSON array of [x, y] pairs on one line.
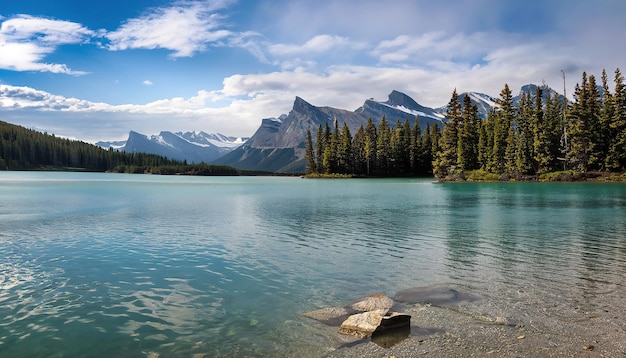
[[362, 325]]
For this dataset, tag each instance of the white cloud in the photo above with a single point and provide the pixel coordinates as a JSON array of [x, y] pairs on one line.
[[440, 46], [316, 45], [184, 28], [53, 32], [25, 41], [147, 83]]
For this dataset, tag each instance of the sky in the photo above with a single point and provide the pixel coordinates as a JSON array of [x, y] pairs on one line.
[[95, 70]]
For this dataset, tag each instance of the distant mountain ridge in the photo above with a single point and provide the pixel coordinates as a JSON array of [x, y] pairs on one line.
[[194, 147]]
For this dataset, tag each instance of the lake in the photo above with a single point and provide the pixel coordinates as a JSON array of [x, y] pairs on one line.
[[116, 265]]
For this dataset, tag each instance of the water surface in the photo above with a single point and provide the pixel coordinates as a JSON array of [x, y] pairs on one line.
[[105, 265]]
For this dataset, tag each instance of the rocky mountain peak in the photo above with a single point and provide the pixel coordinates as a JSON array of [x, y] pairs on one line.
[[397, 98], [302, 106]]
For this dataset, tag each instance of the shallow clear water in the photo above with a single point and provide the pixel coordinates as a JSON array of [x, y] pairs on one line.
[[105, 265]]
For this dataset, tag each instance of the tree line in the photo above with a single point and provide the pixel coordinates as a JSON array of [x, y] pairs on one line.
[[26, 149], [373, 151], [542, 134], [535, 137]]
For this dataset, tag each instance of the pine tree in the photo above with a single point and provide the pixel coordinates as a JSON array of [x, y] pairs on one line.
[[485, 143], [319, 149], [311, 163], [606, 119], [510, 155], [345, 156], [524, 152], [445, 162], [383, 147], [371, 139], [597, 134], [358, 150], [616, 158], [467, 149], [416, 148], [547, 134], [331, 150], [406, 143], [582, 122], [503, 121]]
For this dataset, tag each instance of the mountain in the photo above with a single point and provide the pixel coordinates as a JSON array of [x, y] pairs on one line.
[[194, 147], [531, 91], [278, 144], [482, 101], [400, 106]]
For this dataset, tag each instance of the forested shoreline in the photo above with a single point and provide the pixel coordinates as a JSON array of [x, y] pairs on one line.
[[26, 149], [544, 137]]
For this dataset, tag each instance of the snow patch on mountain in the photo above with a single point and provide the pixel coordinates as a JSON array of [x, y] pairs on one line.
[[481, 97], [414, 112]]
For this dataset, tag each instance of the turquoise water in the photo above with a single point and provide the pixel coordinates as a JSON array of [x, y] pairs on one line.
[[105, 265]]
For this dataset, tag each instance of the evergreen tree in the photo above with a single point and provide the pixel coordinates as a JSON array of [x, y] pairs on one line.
[[359, 153], [501, 129], [547, 135], [345, 156], [319, 148], [406, 144], [445, 162], [510, 155], [606, 119], [597, 134], [311, 162], [526, 121], [616, 158], [383, 147], [416, 148], [467, 148], [583, 121], [371, 140], [435, 137], [331, 150], [485, 142]]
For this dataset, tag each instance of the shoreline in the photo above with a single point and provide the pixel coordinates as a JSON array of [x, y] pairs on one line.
[[553, 177], [450, 332]]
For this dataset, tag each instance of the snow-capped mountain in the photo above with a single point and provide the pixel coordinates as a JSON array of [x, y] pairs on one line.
[[194, 147], [482, 101]]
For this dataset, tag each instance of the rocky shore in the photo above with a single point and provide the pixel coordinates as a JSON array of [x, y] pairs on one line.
[[457, 326]]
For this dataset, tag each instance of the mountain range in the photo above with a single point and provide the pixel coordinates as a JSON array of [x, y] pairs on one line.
[[278, 144], [194, 147]]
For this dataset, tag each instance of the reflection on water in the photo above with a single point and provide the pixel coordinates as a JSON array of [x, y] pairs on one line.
[[225, 266]]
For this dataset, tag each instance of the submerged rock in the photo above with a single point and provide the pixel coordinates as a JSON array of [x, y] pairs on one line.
[[436, 295], [332, 316]]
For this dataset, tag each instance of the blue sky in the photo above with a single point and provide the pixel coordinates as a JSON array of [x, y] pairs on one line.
[[96, 70]]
